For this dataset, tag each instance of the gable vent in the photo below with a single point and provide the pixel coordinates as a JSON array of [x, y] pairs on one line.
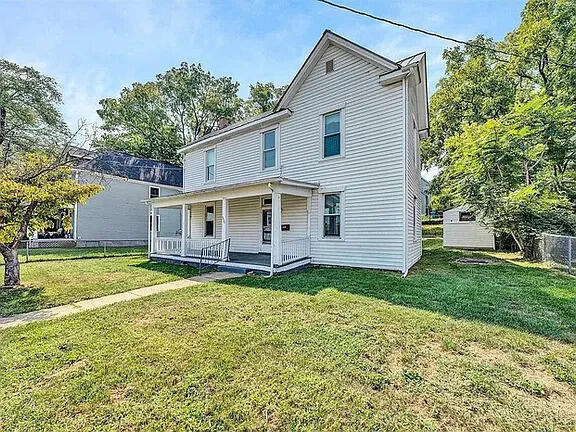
[[329, 66]]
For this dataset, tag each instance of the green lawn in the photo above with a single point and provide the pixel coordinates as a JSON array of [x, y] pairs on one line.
[[450, 347], [432, 231], [56, 283], [56, 254]]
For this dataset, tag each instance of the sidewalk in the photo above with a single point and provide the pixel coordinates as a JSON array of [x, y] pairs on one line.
[[84, 305]]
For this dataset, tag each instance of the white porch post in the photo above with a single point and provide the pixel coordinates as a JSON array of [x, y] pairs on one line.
[[276, 255], [308, 223], [153, 230], [225, 222], [184, 228]]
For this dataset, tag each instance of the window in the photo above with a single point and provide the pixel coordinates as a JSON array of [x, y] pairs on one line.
[[210, 164], [330, 66], [209, 221], [269, 149], [331, 132], [266, 202], [154, 192], [332, 215], [466, 217]]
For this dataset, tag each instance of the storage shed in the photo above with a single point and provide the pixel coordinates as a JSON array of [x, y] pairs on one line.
[[462, 230]]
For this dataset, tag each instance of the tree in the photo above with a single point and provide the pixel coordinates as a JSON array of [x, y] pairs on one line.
[[155, 119], [263, 97], [35, 181], [475, 89]]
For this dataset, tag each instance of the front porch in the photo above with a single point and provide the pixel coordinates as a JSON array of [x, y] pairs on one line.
[[262, 226]]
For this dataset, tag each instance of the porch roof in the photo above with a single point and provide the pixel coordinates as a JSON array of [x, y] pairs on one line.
[[237, 190]]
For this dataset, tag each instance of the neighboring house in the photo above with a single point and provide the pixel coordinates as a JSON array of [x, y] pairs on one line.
[[331, 176], [118, 214], [424, 197], [462, 230]]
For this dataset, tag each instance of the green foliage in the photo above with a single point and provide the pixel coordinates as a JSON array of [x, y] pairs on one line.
[[33, 189], [156, 118], [504, 127], [29, 117], [263, 97]]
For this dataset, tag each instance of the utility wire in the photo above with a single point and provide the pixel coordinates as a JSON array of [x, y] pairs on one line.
[[437, 35]]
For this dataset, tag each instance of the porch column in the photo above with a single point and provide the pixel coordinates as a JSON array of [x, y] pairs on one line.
[[225, 221], [184, 229], [153, 230], [276, 249], [224, 218]]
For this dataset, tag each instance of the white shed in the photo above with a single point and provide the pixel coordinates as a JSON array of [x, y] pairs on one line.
[[462, 230]]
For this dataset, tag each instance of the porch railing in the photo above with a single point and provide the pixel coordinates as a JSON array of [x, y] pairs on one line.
[[214, 253], [295, 250], [168, 245], [194, 247]]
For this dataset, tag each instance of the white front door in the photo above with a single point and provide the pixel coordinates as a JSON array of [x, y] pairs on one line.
[[266, 230]]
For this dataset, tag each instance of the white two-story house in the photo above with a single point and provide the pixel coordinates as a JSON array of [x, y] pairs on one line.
[[331, 176]]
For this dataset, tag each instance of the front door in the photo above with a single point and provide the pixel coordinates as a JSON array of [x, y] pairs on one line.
[[266, 230]]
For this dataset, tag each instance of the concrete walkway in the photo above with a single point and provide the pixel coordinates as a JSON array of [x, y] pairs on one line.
[[84, 305]]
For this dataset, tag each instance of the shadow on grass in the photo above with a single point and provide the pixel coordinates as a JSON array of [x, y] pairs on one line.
[[16, 300], [531, 299]]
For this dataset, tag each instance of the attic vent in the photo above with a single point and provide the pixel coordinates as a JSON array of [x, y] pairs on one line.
[[330, 66]]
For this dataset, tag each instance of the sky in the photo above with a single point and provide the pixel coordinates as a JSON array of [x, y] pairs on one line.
[[94, 48]]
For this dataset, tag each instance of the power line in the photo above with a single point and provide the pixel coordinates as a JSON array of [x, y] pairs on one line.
[[436, 35]]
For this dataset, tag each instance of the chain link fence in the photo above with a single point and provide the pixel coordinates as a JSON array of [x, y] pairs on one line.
[[63, 249], [558, 250]]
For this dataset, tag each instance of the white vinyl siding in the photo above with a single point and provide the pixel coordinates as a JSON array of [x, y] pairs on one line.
[[371, 171], [118, 212], [466, 234]]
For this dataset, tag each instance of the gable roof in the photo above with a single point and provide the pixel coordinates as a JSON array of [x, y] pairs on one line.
[[330, 38], [131, 167], [281, 109]]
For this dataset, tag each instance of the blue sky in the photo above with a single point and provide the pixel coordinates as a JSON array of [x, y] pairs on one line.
[[94, 48]]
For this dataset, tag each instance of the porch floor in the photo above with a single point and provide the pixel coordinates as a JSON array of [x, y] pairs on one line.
[[262, 259]]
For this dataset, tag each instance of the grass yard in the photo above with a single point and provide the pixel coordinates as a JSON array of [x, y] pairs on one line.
[[57, 254], [56, 283], [432, 230], [451, 347]]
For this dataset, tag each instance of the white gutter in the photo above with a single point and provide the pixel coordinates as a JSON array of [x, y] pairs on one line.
[[280, 115]]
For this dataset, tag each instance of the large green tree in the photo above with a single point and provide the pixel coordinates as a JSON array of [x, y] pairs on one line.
[[511, 153], [263, 97], [35, 178], [156, 118]]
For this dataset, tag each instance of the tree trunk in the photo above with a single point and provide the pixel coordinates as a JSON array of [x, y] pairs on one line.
[[11, 267]]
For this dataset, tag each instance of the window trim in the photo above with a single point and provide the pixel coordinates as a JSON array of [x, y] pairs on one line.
[[415, 215], [206, 205], [332, 110], [276, 130], [321, 209], [416, 142], [150, 192], [206, 180]]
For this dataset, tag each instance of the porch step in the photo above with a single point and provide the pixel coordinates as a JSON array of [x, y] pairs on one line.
[[228, 269]]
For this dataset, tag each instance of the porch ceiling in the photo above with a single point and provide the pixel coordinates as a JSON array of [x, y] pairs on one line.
[[238, 190]]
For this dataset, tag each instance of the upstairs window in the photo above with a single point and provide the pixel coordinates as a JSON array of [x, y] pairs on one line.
[[269, 149], [332, 215], [210, 159], [209, 221], [330, 66], [154, 192], [331, 132]]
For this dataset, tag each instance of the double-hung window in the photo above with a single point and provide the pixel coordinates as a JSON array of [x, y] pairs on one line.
[[210, 161], [269, 149], [331, 134], [332, 215], [209, 221]]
